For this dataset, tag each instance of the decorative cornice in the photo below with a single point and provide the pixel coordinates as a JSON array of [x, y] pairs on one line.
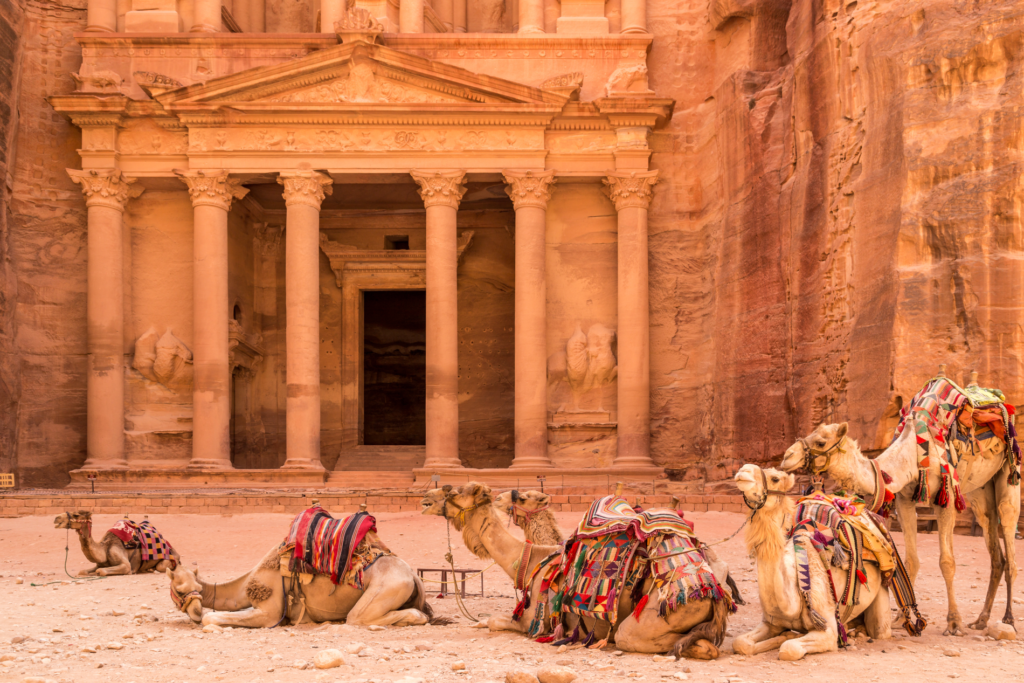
[[212, 188], [529, 189], [440, 189], [107, 188], [305, 187], [631, 190], [345, 258]]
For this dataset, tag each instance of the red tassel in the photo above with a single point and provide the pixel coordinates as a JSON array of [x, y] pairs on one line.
[[942, 497], [861, 577], [545, 639], [886, 478], [960, 503], [640, 607]]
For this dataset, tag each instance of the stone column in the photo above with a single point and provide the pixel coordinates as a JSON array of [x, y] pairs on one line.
[[212, 193], [106, 194], [631, 194], [459, 15], [634, 16], [206, 16], [330, 12], [531, 16], [101, 15], [441, 194], [304, 192], [530, 193], [410, 16]]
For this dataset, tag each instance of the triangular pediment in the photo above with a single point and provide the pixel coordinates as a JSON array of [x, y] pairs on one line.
[[356, 73]]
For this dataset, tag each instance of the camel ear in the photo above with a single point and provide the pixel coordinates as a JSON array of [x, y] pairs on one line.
[[543, 499], [447, 488], [170, 574], [841, 431], [790, 482]]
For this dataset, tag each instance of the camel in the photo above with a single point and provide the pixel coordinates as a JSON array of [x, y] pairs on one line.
[[983, 481], [392, 595], [540, 526], [694, 630], [109, 554], [783, 606]]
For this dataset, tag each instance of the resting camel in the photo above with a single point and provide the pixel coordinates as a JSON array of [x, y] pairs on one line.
[[109, 554], [540, 526], [783, 606], [392, 596], [693, 630], [983, 481]]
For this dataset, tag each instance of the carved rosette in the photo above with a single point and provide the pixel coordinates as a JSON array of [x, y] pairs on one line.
[[107, 188], [529, 189], [212, 188], [305, 187], [632, 190], [440, 189]]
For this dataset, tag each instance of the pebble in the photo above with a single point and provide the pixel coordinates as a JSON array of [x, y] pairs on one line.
[[375, 627], [212, 628], [114, 645], [424, 646], [458, 666], [299, 664], [18, 639], [355, 648], [1001, 631], [328, 659], [951, 653], [663, 658], [520, 677], [556, 674], [19, 580]]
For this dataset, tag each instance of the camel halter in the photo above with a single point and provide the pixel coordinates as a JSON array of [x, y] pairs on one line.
[[763, 498], [810, 454], [182, 602], [461, 515], [527, 514]]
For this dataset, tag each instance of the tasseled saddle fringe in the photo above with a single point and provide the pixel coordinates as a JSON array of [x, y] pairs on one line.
[[921, 492], [947, 485], [640, 607], [523, 605]]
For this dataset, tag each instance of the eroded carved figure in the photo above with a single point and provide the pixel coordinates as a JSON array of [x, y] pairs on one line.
[[161, 359], [588, 361]]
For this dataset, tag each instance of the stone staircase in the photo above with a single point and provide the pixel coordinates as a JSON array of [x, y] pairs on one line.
[[382, 458], [370, 479]]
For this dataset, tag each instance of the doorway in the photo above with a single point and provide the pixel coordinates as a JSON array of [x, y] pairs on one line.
[[394, 368]]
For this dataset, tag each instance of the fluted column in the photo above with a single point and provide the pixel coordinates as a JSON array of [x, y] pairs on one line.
[[206, 16], [101, 16], [212, 193], [530, 193], [106, 195], [531, 16], [631, 194], [634, 16], [410, 16], [441, 194], [304, 192]]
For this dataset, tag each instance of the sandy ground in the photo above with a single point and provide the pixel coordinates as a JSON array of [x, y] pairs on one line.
[[63, 619]]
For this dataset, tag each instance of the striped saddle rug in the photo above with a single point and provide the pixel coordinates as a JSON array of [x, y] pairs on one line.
[[325, 545]]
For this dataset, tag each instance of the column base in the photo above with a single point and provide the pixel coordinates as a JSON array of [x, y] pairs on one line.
[[532, 463], [632, 463], [104, 465], [204, 28], [297, 464], [442, 465], [210, 464]]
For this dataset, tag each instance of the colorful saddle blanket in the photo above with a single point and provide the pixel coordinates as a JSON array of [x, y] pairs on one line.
[[146, 538], [324, 545], [943, 417]]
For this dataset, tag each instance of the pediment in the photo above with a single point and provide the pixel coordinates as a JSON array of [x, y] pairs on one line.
[[356, 73]]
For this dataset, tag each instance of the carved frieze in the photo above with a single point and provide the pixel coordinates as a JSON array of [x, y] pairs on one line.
[[350, 139], [362, 85], [151, 139], [154, 83], [572, 143]]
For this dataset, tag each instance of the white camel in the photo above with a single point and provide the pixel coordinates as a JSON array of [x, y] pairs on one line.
[[783, 606], [983, 481]]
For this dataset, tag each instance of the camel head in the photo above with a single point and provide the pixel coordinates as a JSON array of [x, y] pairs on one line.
[[187, 592], [816, 451], [521, 505], [433, 501], [73, 520], [763, 489], [459, 503]]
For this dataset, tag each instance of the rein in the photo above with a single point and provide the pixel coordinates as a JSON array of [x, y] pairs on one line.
[[810, 454], [762, 499], [522, 573]]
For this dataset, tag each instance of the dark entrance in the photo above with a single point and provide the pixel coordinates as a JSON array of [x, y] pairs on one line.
[[394, 368]]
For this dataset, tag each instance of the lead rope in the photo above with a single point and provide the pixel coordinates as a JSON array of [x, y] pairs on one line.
[[450, 559]]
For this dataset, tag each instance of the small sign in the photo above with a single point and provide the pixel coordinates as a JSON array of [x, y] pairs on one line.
[[435, 477], [7, 480]]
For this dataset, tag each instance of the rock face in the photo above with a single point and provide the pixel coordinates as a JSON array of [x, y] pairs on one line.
[[839, 213]]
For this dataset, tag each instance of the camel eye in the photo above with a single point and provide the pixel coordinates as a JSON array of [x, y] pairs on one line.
[[821, 442], [775, 480]]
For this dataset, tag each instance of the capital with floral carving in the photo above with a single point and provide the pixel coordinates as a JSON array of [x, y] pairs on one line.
[[212, 188], [631, 190], [107, 187], [440, 189], [529, 189], [305, 187]]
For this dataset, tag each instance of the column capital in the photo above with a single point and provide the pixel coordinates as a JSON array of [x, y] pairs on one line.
[[529, 189], [440, 189], [305, 187], [212, 188], [106, 187], [631, 190]]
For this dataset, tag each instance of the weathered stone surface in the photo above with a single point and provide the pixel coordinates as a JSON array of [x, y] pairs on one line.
[[556, 674], [328, 659]]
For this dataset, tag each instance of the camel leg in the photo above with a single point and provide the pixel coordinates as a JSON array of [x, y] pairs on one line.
[[251, 617], [117, 570], [983, 506], [504, 624], [814, 641], [755, 642], [379, 605], [89, 572], [162, 566], [906, 511], [947, 562], [1008, 498], [877, 617]]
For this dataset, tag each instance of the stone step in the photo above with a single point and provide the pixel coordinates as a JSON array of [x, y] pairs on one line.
[[369, 479]]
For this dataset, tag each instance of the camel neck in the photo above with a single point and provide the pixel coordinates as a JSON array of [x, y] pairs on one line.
[[224, 596], [766, 533], [857, 474], [92, 550], [504, 548]]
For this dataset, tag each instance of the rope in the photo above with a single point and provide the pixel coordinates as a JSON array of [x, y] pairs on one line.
[[450, 559], [67, 545], [729, 537]]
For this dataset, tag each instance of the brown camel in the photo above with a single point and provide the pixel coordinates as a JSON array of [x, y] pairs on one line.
[[983, 481], [392, 595], [109, 554], [540, 526], [783, 606], [693, 630]]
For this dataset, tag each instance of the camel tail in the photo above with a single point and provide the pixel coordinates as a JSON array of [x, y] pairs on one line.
[[418, 600], [735, 590], [711, 631]]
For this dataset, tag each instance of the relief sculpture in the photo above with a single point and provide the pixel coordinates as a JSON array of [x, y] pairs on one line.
[[162, 359], [580, 375]]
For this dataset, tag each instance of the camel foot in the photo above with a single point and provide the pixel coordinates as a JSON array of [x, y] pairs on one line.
[[700, 649], [599, 644], [953, 628], [980, 624], [792, 651], [1008, 619]]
